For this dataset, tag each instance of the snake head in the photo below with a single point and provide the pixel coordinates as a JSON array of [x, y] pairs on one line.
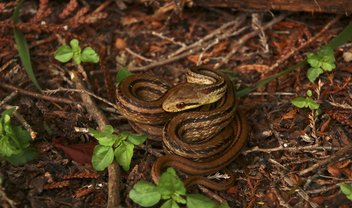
[[183, 97]]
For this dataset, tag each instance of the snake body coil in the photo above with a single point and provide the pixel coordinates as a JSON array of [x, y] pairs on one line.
[[207, 133]]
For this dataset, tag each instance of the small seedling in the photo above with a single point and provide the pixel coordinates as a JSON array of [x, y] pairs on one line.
[[171, 189], [14, 141], [114, 146], [346, 189], [305, 102], [321, 61], [122, 74], [73, 51]]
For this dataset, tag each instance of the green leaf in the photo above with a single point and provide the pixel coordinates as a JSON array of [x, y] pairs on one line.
[[144, 194], [198, 200], [328, 66], [309, 93], [7, 148], [342, 37], [106, 136], [63, 54], [5, 119], [314, 73], [327, 54], [76, 49], [136, 139], [122, 74], [170, 183], [74, 43], [22, 136], [299, 102], [23, 157], [16, 13], [23, 51], [346, 189], [89, 55], [170, 204], [312, 104], [124, 154], [323, 60], [179, 199], [224, 205], [313, 60], [102, 157], [22, 47]]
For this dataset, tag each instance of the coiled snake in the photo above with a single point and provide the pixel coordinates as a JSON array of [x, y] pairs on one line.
[[198, 123]]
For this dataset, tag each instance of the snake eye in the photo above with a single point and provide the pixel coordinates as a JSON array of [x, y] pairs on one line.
[[180, 105]]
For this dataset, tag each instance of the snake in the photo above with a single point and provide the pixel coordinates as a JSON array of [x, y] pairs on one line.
[[198, 122]]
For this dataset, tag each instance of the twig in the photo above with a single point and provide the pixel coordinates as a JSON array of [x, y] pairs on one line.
[[23, 121], [245, 38], [172, 40], [162, 62], [36, 95], [3, 67], [113, 169], [5, 199], [280, 198], [307, 43], [211, 194], [8, 98], [342, 152], [61, 89], [300, 191], [234, 24], [322, 190], [291, 149], [195, 47], [275, 93], [138, 55], [343, 105]]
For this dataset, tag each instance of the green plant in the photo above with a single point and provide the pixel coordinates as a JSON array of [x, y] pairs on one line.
[[305, 102], [171, 189], [122, 74], [73, 51], [346, 189], [22, 47], [114, 146], [14, 141], [321, 61]]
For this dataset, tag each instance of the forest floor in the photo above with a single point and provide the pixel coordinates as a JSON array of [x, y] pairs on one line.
[[294, 157]]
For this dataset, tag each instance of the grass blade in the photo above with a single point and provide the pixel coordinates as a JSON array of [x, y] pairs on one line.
[[22, 48]]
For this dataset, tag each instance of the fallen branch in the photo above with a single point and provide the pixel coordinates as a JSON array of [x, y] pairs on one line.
[[113, 169]]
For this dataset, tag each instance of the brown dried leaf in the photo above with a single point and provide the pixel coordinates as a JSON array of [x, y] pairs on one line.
[[83, 174], [290, 115], [120, 43], [81, 153], [57, 185], [333, 170], [84, 191]]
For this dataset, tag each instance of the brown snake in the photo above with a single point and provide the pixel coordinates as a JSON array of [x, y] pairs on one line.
[[205, 135]]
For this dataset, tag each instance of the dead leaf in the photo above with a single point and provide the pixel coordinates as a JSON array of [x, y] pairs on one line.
[[290, 115], [120, 43], [80, 153], [232, 190], [333, 170]]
